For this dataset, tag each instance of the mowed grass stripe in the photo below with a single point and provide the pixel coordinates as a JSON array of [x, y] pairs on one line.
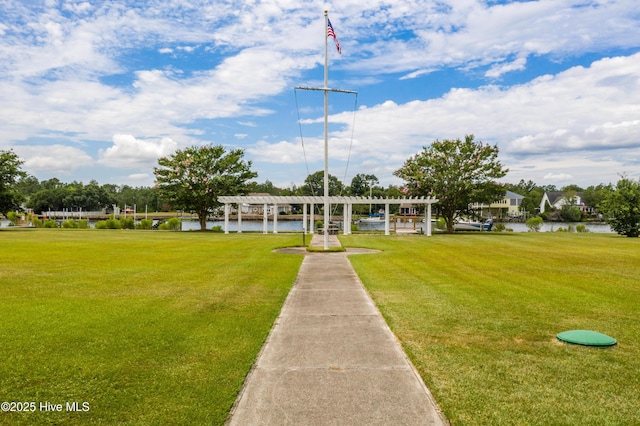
[[478, 315], [148, 327]]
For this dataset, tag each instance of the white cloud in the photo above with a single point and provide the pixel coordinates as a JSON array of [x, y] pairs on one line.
[[570, 118], [188, 49], [503, 68], [558, 177], [473, 33], [53, 158], [281, 152], [58, 59], [127, 152]]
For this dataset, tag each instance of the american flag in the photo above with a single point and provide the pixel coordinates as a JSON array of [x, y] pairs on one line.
[[331, 33]]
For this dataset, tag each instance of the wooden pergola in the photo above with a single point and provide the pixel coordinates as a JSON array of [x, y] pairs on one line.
[[347, 202]]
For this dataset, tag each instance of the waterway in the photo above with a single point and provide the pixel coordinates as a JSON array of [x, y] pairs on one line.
[[296, 226]]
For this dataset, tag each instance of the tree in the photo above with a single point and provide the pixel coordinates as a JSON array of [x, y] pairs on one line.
[[314, 184], [361, 184], [532, 195], [265, 188], [10, 171], [28, 185], [594, 195], [573, 188], [75, 196], [195, 177], [622, 207], [569, 211], [456, 172], [534, 223]]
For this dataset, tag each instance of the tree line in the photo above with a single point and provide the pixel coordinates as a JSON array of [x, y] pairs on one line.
[[458, 172]]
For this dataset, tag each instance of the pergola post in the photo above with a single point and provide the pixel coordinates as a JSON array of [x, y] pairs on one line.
[[275, 218], [312, 219], [226, 217], [428, 220], [386, 219], [345, 217], [265, 218], [239, 218], [304, 218]]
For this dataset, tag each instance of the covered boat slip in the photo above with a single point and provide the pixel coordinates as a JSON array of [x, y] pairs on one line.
[[311, 201]]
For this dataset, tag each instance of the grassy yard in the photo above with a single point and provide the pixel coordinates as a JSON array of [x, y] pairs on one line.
[[478, 315], [143, 327]]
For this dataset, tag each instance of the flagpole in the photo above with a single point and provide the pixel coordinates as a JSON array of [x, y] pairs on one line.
[[328, 31], [327, 207]]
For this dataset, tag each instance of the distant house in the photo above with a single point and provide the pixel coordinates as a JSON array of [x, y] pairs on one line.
[[559, 199], [507, 206], [408, 210]]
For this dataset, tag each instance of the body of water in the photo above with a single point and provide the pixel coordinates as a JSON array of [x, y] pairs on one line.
[[296, 226], [554, 226], [247, 225]]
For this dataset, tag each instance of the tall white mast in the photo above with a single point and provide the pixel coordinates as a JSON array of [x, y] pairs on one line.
[[327, 207], [326, 90]]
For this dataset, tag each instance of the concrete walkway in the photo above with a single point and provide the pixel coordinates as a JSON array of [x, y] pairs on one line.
[[331, 359]]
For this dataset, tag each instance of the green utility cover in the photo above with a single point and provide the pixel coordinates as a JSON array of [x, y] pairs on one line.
[[586, 338]]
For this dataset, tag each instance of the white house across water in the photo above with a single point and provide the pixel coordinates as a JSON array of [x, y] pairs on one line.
[[271, 202]]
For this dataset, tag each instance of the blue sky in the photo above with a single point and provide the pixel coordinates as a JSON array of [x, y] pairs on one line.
[[102, 89]]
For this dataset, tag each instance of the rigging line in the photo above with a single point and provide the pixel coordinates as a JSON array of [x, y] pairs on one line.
[[353, 126], [304, 152]]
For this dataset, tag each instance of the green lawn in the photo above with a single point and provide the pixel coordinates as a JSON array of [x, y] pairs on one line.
[[145, 327], [478, 315]]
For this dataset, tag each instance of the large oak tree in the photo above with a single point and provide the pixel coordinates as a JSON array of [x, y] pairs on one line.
[[10, 171], [194, 178], [458, 173], [622, 207]]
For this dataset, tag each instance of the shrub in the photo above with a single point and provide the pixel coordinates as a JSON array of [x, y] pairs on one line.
[[145, 224], [13, 218], [36, 222], [50, 223], [108, 224], [127, 223], [571, 214], [83, 224], [534, 224], [216, 228], [69, 223], [173, 224], [582, 228], [499, 227]]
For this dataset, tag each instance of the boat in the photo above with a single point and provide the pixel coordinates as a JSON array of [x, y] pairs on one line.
[[372, 218], [473, 225]]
